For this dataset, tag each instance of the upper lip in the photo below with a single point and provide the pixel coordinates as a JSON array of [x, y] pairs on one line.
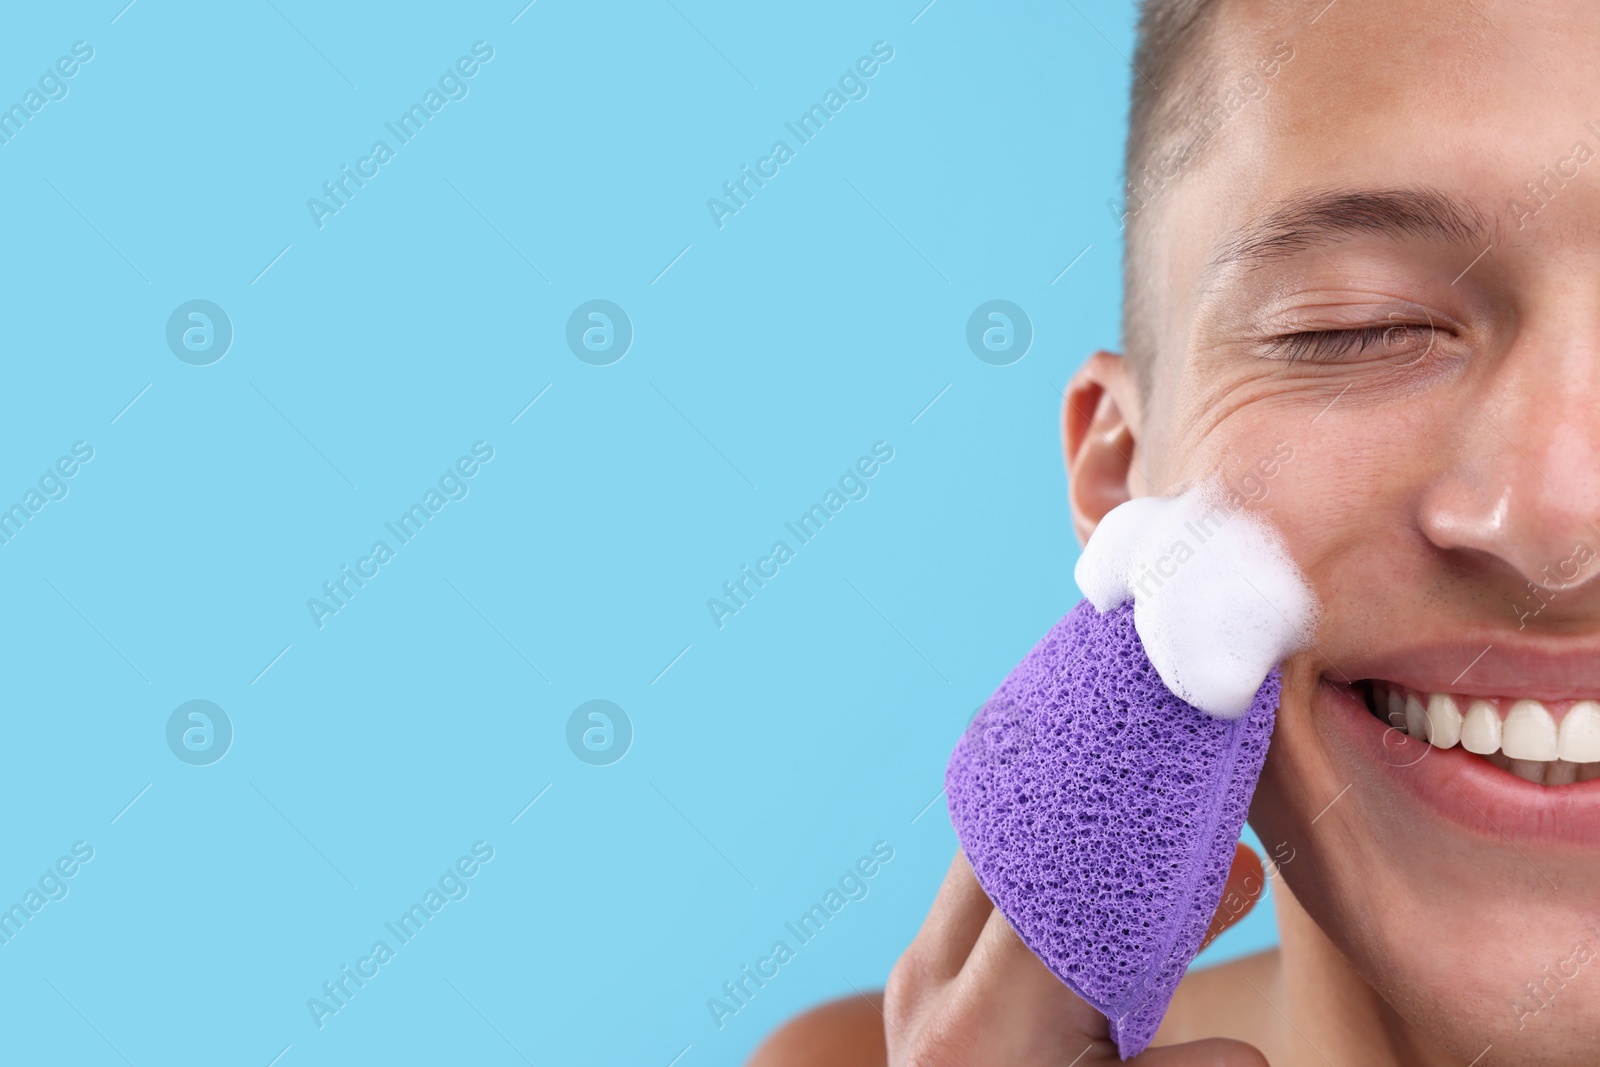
[[1494, 664]]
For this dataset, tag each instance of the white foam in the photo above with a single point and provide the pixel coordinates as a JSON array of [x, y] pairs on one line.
[[1217, 599]]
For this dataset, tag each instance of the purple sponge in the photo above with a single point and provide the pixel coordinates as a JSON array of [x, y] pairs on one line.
[[1100, 813]]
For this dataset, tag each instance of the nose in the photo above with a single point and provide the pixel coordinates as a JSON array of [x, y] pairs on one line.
[[1524, 485]]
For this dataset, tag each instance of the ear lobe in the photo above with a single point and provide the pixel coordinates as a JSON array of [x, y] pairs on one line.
[[1099, 431]]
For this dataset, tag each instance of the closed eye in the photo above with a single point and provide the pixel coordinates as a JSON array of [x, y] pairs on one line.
[[1394, 340]]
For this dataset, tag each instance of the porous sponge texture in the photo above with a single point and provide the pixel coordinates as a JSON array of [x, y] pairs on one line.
[[1100, 813]]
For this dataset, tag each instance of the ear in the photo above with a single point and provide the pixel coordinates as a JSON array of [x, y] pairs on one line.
[[1100, 420]]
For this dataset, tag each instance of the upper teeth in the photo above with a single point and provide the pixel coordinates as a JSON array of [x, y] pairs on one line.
[[1519, 730]]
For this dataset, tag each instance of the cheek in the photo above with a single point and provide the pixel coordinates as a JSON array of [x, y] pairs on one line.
[[1345, 497], [1199, 423]]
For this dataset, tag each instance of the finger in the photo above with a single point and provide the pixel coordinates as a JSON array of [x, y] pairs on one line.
[[954, 922], [1212, 1052], [1009, 982], [1012, 990], [1032, 1017], [1246, 882]]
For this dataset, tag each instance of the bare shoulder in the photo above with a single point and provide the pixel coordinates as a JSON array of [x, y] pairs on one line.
[[841, 1033], [1228, 1000]]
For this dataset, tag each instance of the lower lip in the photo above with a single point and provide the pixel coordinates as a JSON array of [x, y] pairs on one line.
[[1466, 789]]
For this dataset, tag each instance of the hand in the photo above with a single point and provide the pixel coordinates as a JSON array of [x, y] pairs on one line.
[[968, 993]]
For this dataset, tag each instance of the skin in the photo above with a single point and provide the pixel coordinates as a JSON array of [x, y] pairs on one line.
[[1436, 472]]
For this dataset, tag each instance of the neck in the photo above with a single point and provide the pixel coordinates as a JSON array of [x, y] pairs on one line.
[[1327, 1011]]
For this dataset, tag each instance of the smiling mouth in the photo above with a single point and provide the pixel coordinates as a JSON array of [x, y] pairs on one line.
[[1550, 743]]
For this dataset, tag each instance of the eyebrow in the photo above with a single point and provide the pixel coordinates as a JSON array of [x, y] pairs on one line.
[[1322, 217]]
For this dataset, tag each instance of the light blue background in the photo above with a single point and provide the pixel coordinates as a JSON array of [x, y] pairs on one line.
[[768, 755]]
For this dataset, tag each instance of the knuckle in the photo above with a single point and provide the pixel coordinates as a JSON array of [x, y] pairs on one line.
[[903, 990], [922, 1055], [943, 1042]]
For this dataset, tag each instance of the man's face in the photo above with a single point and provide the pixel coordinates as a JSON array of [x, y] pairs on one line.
[[1357, 272]]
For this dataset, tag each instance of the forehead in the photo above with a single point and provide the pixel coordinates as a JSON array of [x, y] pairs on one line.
[[1469, 97]]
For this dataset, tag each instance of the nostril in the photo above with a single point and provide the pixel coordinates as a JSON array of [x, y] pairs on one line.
[[1540, 538]]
